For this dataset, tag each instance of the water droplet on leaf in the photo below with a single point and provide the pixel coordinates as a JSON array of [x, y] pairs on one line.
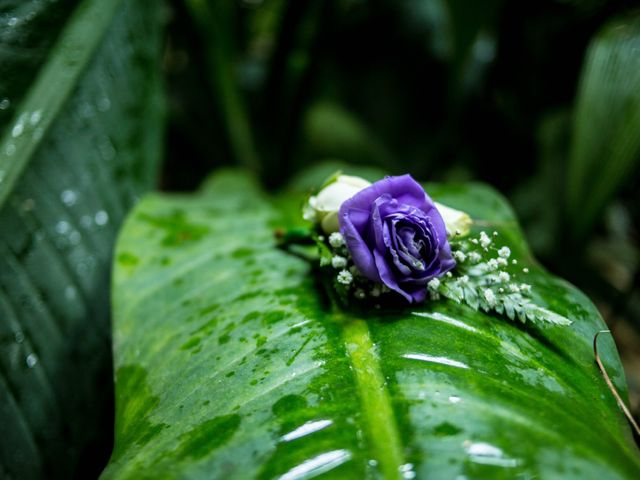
[[35, 117], [10, 149], [31, 360], [62, 227], [101, 218], [68, 197]]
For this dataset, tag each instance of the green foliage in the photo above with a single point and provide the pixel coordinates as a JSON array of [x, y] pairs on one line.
[[606, 145], [28, 28], [80, 141], [230, 362]]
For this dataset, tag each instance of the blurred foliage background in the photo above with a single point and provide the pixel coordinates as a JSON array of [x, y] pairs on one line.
[[540, 99]]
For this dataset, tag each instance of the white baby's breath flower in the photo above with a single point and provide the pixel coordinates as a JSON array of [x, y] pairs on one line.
[[433, 284], [345, 277], [338, 262], [336, 240], [459, 256], [502, 262], [474, 257], [504, 252], [485, 241], [492, 264], [324, 206], [503, 276], [490, 297]]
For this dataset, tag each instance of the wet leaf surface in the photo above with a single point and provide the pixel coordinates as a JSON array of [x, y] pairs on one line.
[[80, 119], [241, 369]]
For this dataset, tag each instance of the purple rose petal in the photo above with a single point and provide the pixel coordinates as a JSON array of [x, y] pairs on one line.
[[396, 236]]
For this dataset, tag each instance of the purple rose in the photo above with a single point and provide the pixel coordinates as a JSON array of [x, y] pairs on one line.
[[396, 236]]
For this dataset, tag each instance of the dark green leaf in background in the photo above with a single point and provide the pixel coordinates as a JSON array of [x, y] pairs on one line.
[[230, 363], [28, 29], [606, 141], [82, 88]]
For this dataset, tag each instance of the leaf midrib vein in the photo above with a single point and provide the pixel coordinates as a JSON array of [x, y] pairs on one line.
[[381, 428]]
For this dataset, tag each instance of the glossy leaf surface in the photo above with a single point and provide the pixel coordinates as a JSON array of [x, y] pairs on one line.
[[231, 364], [80, 141]]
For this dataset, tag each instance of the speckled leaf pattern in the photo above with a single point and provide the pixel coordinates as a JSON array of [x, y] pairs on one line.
[[230, 364], [80, 127]]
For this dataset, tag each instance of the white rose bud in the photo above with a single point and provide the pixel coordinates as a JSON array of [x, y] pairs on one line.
[[324, 206], [456, 222]]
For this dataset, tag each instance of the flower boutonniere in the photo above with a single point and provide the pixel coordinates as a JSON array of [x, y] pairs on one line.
[[389, 242]]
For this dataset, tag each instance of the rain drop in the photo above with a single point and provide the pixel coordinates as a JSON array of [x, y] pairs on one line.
[[68, 197], [407, 471], [62, 227], [101, 218], [12, 22], [17, 130], [18, 336], [5, 103], [86, 267], [35, 117], [32, 360], [10, 149]]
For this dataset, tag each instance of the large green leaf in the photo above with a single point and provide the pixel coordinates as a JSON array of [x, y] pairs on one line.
[[605, 145], [28, 28], [231, 364], [83, 142]]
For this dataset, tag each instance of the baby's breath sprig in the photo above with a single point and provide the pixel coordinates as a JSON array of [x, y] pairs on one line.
[[487, 279], [347, 282]]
